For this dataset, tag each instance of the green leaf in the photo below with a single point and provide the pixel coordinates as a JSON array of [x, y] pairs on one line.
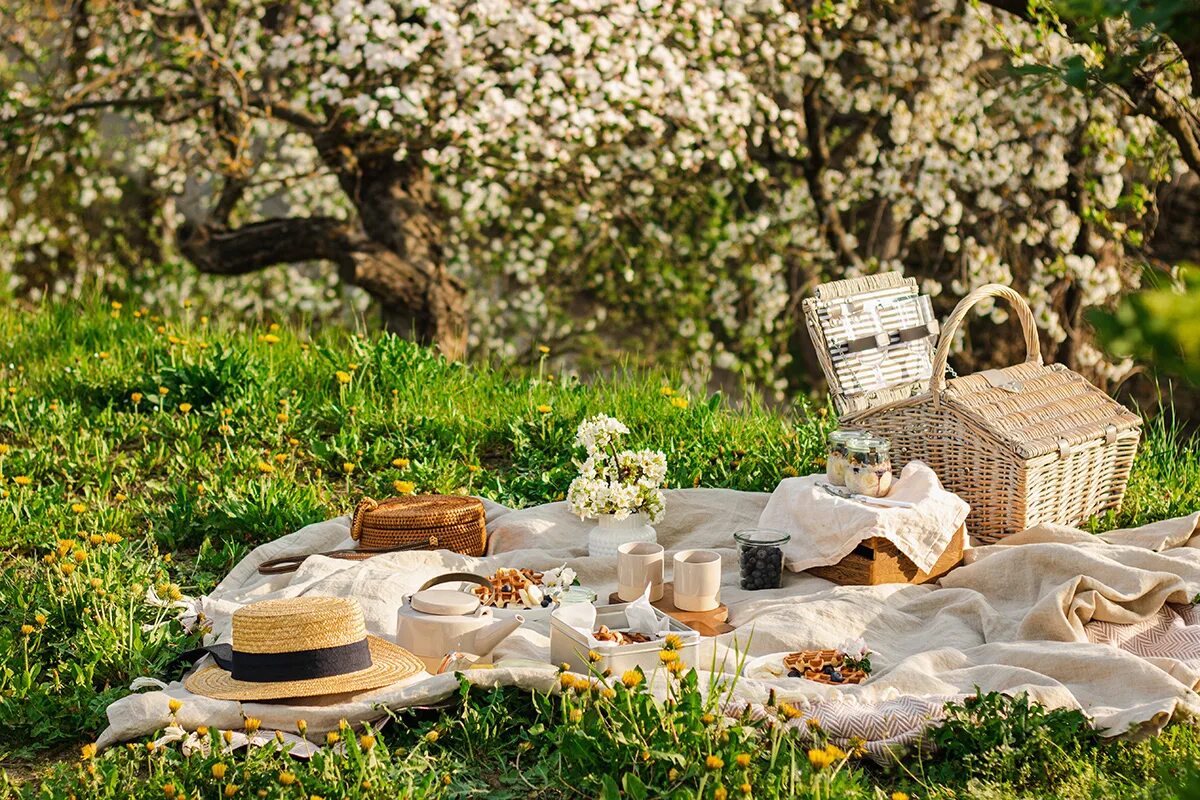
[[609, 791], [634, 787]]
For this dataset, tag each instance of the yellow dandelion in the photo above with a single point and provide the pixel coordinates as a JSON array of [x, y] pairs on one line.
[[281, 417], [227, 736], [899, 796], [789, 711], [40, 618], [226, 412], [668, 656], [342, 377], [102, 355], [672, 642], [163, 391], [22, 480], [115, 306], [265, 467], [679, 402], [820, 759], [150, 747], [287, 778], [708, 719], [566, 680], [404, 487], [543, 349], [432, 736], [576, 715], [113, 538], [742, 759], [4, 449], [136, 397], [745, 788], [252, 724], [720, 793], [231, 789], [293, 441], [269, 338], [280, 458], [168, 790], [677, 668], [593, 656], [224, 429], [332, 737], [26, 629], [366, 741], [835, 752], [400, 463], [302, 726], [714, 762], [96, 539], [67, 569], [78, 508], [95, 583], [631, 678], [544, 409], [274, 326], [120, 497], [666, 391], [473, 468], [218, 770], [185, 407], [174, 704], [348, 467], [79, 556], [87, 752]]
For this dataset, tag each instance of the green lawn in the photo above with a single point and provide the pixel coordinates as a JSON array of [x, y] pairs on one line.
[[139, 452]]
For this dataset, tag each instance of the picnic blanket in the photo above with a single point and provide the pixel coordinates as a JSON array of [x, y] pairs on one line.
[[1099, 623]]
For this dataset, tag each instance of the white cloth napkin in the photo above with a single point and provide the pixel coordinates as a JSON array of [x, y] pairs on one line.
[[825, 528]]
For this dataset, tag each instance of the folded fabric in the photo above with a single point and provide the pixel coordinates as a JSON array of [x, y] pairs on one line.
[[825, 529]]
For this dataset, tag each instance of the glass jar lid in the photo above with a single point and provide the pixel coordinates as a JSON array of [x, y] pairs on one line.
[[869, 444], [762, 537], [843, 435]]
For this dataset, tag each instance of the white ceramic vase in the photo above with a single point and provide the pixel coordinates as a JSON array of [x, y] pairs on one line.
[[610, 533]]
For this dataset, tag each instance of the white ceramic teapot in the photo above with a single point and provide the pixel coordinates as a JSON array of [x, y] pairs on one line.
[[433, 623]]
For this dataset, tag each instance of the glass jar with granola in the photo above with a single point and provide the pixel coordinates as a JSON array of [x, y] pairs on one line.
[[837, 463], [869, 470]]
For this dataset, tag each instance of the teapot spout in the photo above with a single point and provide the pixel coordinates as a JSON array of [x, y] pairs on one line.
[[487, 639]]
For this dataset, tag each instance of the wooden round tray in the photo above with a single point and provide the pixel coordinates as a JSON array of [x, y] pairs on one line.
[[706, 623]]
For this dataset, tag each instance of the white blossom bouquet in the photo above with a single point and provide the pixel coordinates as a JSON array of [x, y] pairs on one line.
[[615, 482]]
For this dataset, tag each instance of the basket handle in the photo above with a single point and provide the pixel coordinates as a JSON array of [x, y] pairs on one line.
[[1033, 350]]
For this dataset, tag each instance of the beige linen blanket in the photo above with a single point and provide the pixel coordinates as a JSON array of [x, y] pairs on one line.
[[1097, 623]]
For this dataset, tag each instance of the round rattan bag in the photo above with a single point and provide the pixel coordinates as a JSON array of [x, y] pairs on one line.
[[444, 522], [418, 522]]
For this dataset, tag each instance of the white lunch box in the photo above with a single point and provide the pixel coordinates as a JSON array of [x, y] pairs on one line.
[[569, 646]]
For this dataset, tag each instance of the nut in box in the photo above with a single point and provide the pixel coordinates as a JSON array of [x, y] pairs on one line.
[[570, 645]]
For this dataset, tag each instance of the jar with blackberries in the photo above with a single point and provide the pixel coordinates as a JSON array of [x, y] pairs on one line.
[[760, 557]]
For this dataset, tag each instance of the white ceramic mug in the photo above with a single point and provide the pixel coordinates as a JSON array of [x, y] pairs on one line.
[[697, 580], [639, 564]]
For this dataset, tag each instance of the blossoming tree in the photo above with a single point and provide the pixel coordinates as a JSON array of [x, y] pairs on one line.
[[670, 175]]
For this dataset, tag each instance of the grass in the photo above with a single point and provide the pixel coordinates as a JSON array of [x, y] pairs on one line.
[[145, 453]]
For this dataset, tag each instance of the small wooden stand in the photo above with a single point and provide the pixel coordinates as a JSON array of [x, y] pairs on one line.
[[877, 561], [706, 623]]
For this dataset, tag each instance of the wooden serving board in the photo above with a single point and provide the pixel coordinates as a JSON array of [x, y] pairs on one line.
[[706, 623]]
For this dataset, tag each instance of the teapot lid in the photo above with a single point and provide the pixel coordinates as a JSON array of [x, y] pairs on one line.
[[444, 602]]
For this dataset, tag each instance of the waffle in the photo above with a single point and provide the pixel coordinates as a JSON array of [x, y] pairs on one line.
[[619, 637], [811, 665], [512, 588]]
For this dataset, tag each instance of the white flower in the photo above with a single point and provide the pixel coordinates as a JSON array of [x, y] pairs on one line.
[[855, 649], [617, 483]]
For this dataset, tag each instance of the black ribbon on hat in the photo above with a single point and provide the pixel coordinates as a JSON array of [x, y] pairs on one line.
[[298, 665]]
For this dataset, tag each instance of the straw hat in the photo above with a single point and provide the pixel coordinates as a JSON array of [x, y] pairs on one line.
[[301, 647]]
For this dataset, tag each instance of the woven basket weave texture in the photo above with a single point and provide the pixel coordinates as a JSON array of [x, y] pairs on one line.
[[1026, 444], [446, 522]]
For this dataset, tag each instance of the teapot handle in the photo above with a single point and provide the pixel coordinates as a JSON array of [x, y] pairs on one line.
[[457, 577]]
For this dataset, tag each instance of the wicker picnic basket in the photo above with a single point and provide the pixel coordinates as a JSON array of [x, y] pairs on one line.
[[1026, 444]]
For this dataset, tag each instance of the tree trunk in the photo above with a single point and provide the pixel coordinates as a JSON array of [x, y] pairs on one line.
[[405, 266], [395, 256]]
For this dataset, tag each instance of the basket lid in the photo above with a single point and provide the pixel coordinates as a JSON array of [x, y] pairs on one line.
[[874, 337], [1036, 410]]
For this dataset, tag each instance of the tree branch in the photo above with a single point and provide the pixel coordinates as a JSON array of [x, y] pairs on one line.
[[814, 167], [218, 250]]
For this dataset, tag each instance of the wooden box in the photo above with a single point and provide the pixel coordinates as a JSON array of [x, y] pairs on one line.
[[878, 561]]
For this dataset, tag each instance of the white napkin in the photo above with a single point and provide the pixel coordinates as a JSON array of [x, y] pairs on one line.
[[640, 617], [825, 528]]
